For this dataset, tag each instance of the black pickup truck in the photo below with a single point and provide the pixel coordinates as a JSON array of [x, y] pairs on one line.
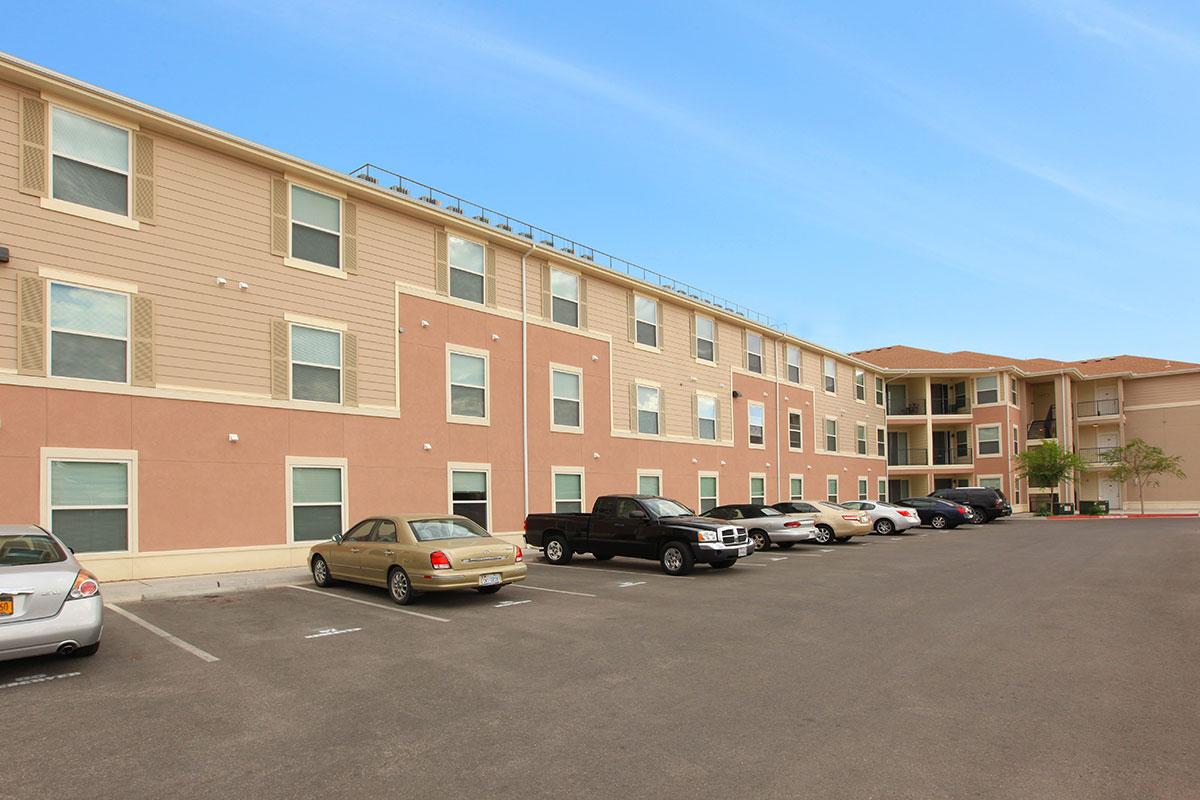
[[639, 526]]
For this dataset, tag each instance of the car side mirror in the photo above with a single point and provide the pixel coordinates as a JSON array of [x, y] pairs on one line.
[[338, 538], [637, 513]]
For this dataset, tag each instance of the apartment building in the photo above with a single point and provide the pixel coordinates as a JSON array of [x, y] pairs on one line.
[[213, 354], [961, 418]]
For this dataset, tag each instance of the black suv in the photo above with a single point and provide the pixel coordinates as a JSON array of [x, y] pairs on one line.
[[985, 504]]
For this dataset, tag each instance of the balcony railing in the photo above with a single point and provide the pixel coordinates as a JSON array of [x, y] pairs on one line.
[[917, 457], [953, 455], [482, 215], [1042, 429], [1098, 408], [943, 406], [1094, 455], [909, 408]]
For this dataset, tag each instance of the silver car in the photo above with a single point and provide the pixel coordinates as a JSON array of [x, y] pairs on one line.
[[48, 602], [885, 517], [767, 525]]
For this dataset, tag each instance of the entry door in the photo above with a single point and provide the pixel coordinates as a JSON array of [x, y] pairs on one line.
[[897, 398], [1106, 399], [941, 447], [1107, 440], [897, 489], [898, 448], [1110, 490]]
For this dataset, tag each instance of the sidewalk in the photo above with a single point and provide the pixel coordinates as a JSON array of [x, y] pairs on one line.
[[219, 583]]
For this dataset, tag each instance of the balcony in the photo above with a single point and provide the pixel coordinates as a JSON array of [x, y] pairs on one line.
[[1094, 455], [917, 457], [1098, 408], [954, 456], [1042, 429], [942, 405], [911, 408]]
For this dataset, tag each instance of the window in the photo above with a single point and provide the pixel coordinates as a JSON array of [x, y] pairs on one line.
[[708, 493], [989, 440], [89, 504], [1017, 492], [879, 391], [646, 321], [706, 339], [316, 364], [317, 503], [992, 483], [1016, 440], [89, 333], [650, 483], [758, 490], [466, 260], [880, 442], [568, 492], [468, 387], [830, 367], [90, 162], [862, 488], [793, 363], [795, 430], [860, 385], [1014, 391], [796, 487], [831, 435], [987, 389], [754, 346], [387, 532], [316, 227], [831, 489], [566, 399], [648, 409], [564, 297], [754, 413], [469, 495], [881, 490], [860, 439], [706, 416]]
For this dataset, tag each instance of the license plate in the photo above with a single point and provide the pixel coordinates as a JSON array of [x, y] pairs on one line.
[[491, 579], [741, 551], [6, 605]]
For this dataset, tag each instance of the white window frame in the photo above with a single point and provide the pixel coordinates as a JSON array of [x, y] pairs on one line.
[[716, 417], [751, 336], [837, 488], [825, 436], [1016, 440], [554, 498], [796, 364], [293, 260], [996, 389], [864, 487], [578, 293], [700, 497], [880, 391], [751, 405], [125, 220], [657, 323], [799, 429], [656, 474], [450, 271], [463, 466], [880, 441], [999, 479], [881, 492], [637, 387], [578, 373], [293, 462], [829, 372], [860, 385], [713, 341], [341, 363], [757, 476], [860, 442], [791, 494], [471, 352], [979, 429], [127, 338], [47, 455], [1014, 392]]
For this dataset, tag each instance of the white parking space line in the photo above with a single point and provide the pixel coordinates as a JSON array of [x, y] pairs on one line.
[[544, 589], [321, 634], [510, 603], [157, 631], [645, 574], [369, 603], [28, 680]]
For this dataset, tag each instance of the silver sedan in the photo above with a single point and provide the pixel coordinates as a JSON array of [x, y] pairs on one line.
[[48, 602], [885, 517], [766, 525]]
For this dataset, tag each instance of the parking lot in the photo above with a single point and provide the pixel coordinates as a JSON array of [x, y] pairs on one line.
[[1020, 659]]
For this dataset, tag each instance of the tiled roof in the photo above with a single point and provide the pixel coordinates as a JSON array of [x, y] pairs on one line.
[[903, 357]]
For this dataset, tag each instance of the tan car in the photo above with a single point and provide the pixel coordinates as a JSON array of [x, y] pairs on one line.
[[414, 553], [833, 521]]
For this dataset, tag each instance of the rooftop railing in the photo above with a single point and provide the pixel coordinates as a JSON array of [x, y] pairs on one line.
[[482, 215], [1098, 408]]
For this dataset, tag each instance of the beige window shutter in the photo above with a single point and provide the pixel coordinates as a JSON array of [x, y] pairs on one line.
[[34, 164], [280, 359], [633, 409], [662, 412], [716, 342], [31, 325], [745, 349], [143, 178], [547, 299], [349, 369], [583, 302], [693, 333], [441, 266], [695, 414], [142, 341], [632, 319], [280, 211], [350, 238], [489, 276]]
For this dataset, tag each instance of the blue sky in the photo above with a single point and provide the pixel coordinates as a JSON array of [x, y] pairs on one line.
[[1012, 176]]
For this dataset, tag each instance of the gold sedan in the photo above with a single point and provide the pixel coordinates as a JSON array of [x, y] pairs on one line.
[[415, 553]]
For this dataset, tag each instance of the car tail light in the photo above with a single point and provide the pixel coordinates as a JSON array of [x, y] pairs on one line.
[[793, 524], [851, 517], [964, 510], [520, 556], [439, 560], [525, 525], [905, 513], [86, 585]]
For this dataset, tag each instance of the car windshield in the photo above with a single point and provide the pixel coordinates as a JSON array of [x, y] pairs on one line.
[[661, 507], [29, 548], [836, 507], [433, 530]]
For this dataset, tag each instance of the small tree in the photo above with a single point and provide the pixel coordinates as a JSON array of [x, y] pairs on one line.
[[1049, 464], [1142, 464]]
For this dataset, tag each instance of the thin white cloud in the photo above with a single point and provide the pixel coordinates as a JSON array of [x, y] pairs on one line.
[[1120, 27]]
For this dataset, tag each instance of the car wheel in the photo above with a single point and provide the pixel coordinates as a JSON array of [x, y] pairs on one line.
[[399, 587], [602, 556], [978, 517], [724, 564], [824, 534], [558, 551], [885, 526], [676, 558], [489, 589], [320, 572], [84, 652], [760, 539], [938, 521], [785, 545]]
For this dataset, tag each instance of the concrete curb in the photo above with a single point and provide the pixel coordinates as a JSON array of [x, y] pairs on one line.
[[222, 583]]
